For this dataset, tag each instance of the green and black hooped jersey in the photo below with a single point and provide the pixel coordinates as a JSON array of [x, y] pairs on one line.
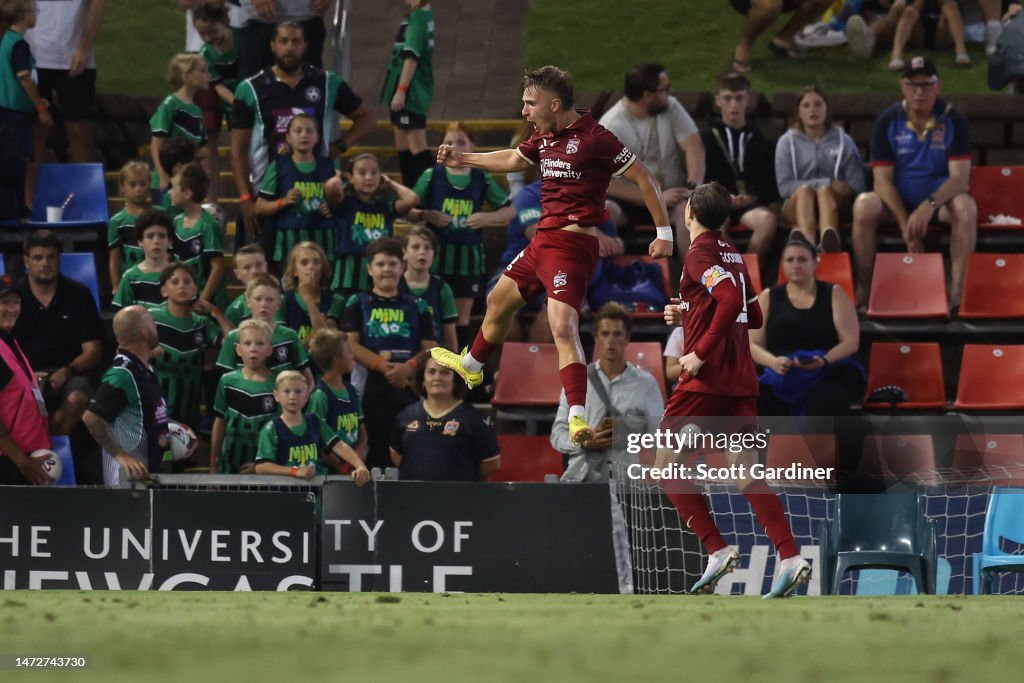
[[196, 246], [415, 39], [287, 353], [177, 119], [138, 287], [180, 368], [245, 406], [297, 446], [460, 248], [121, 235]]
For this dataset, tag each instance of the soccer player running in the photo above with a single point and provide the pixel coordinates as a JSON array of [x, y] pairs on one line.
[[577, 159], [716, 306]]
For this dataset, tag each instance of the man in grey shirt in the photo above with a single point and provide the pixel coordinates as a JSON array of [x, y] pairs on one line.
[[655, 127], [634, 395]]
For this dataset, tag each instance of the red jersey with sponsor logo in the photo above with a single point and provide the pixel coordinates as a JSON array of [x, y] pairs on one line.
[[728, 368], [576, 164]]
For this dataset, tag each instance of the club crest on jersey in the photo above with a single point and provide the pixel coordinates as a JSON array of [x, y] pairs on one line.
[[560, 280], [198, 337], [572, 146], [451, 427], [269, 404], [281, 354], [196, 247], [312, 94], [413, 426], [713, 275]]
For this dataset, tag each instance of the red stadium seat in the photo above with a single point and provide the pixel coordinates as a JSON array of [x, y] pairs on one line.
[[917, 368], [652, 361], [997, 190], [988, 459], [811, 450], [754, 271], [987, 286], [526, 458], [834, 268], [905, 456], [991, 378], [908, 286], [528, 376]]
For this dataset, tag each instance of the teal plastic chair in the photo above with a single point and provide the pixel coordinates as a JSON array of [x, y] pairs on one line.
[[878, 531], [1004, 518], [81, 267]]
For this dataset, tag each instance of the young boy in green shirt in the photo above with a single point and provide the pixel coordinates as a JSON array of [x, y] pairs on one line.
[[141, 283]]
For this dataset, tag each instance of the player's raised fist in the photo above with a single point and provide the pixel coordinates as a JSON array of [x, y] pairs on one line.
[[447, 155], [661, 248]]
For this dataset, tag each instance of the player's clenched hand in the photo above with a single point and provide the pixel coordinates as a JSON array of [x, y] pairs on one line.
[[360, 475], [690, 364], [660, 248], [448, 156], [32, 469], [305, 472], [673, 313]]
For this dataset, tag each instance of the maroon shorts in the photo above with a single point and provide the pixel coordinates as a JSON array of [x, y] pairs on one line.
[[560, 262], [213, 110]]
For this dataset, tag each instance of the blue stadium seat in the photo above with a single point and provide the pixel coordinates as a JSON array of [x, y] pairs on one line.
[[1004, 518], [55, 182], [62, 445], [3, 264], [82, 268], [878, 531]]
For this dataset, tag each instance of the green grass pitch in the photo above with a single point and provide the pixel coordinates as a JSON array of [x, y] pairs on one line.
[[141, 636]]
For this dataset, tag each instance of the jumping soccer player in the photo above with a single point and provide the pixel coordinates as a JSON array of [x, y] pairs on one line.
[[717, 305], [577, 159]]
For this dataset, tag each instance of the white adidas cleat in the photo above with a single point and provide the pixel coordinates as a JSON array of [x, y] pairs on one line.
[[720, 563], [792, 574]]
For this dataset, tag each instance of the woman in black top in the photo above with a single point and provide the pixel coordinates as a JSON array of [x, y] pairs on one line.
[[810, 326], [441, 438]]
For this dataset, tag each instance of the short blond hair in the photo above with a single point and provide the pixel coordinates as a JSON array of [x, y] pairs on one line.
[[257, 326], [262, 280], [131, 168], [325, 346], [182, 65], [290, 376]]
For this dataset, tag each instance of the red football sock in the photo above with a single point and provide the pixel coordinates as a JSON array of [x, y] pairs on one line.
[[574, 381], [768, 508], [482, 349], [693, 510]]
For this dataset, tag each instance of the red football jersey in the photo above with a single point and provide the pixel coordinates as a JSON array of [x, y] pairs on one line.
[[576, 164], [728, 368]]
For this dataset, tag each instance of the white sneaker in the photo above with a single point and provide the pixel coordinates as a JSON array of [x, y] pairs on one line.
[[859, 37], [792, 574], [720, 563], [818, 35], [993, 29]]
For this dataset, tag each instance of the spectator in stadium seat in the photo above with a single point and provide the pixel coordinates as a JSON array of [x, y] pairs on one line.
[[819, 172], [62, 43], [760, 15], [807, 341], [264, 104], [442, 438], [127, 416], [386, 329], [260, 17], [621, 398], [921, 161], [656, 127], [23, 426], [59, 329], [742, 159]]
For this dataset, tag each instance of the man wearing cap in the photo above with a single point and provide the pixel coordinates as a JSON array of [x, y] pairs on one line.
[[23, 426], [921, 161]]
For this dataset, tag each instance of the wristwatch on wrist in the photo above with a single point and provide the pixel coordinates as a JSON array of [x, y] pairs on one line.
[[932, 202]]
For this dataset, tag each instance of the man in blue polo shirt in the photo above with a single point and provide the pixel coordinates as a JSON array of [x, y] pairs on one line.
[[921, 161]]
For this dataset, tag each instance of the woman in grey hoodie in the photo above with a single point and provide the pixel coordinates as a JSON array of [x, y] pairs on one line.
[[819, 172]]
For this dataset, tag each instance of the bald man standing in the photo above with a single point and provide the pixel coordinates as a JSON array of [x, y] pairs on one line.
[[127, 415]]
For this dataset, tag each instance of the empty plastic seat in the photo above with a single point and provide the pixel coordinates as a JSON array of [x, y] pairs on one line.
[[834, 268], [647, 355], [989, 458], [907, 458], [1004, 519], [526, 458], [916, 368], [990, 280], [754, 271], [991, 378], [62, 446], [83, 183], [528, 376], [997, 191], [82, 269], [908, 286], [878, 531]]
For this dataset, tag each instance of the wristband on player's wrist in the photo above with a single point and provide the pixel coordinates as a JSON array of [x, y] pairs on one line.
[[376, 363], [664, 232], [294, 471], [403, 88], [245, 197]]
